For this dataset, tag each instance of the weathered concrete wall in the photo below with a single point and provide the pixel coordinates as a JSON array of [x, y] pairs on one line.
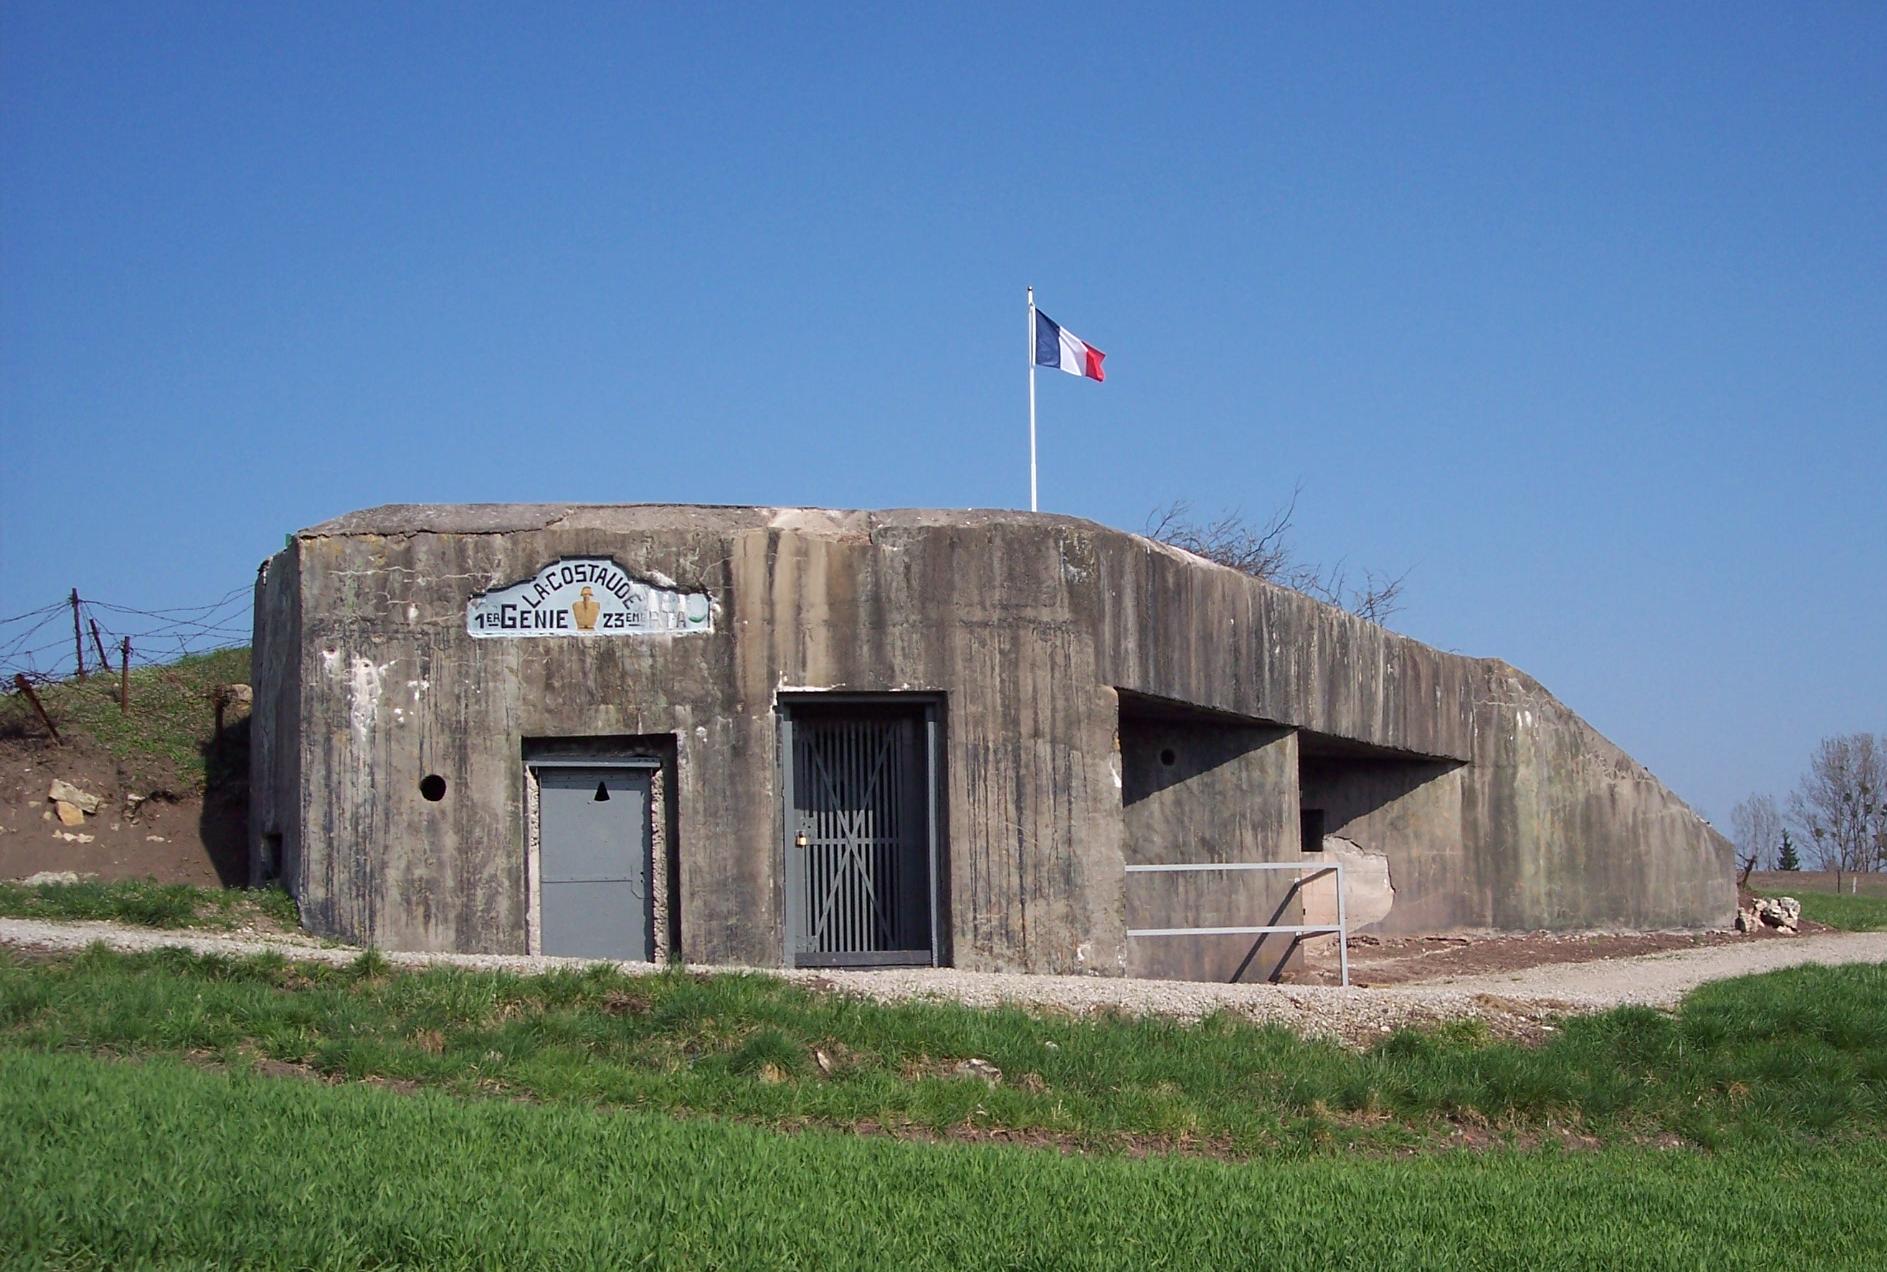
[[1199, 791], [1410, 812], [1369, 893], [1026, 625], [276, 738], [1582, 828], [1177, 627], [979, 615]]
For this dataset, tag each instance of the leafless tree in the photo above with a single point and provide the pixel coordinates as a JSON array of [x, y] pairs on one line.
[[1841, 803], [1264, 551], [1376, 597], [1756, 825]]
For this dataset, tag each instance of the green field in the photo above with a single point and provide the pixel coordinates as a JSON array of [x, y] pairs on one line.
[[119, 1164], [149, 904], [1850, 913], [1793, 1054], [169, 1108]]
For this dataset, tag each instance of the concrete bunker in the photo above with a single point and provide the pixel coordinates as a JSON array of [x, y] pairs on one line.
[[997, 740]]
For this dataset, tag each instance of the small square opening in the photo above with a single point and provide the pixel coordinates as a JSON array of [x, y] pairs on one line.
[[269, 865], [1311, 829]]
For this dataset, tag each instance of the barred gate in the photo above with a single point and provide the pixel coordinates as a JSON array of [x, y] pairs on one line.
[[860, 823]]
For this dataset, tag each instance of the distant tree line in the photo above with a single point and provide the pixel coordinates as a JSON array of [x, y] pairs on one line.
[[1837, 813]]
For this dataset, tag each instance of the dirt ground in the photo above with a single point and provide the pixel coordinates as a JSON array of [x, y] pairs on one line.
[[1378, 963], [151, 822]]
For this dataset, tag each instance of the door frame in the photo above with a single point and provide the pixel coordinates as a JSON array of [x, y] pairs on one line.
[[533, 839], [928, 707]]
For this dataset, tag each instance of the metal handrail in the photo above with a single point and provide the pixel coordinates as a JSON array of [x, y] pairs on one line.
[[1298, 930]]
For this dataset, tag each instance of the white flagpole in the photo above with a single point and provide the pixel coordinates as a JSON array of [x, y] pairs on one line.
[[1032, 502]]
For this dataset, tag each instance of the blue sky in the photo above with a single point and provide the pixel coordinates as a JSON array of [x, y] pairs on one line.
[[1577, 314]]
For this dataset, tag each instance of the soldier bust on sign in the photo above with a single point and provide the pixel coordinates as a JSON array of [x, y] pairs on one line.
[[585, 611]]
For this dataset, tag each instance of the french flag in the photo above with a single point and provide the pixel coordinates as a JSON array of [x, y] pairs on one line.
[[1058, 347]]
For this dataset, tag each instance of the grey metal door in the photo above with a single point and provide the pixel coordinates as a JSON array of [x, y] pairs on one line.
[[593, 863], [860, 826]]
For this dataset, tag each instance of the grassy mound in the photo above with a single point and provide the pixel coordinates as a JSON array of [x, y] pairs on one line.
[[1791, 1057], [171, 720]]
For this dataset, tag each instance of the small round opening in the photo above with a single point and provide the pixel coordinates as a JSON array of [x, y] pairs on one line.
[[433, 787], [1169, 757]]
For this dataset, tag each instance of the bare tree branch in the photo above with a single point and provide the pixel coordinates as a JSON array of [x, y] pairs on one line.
[[1756, 826], [1230, 539], [1264, 551]]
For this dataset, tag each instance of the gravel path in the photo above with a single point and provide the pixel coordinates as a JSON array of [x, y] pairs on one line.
[[1512, 1003], [1659, 980]]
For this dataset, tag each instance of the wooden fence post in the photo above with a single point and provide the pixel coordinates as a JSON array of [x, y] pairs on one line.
[[124, 677], [24, 686], [78, 637]]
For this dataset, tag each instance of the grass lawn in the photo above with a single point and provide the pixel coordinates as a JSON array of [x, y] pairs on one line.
[[119, 1164], [170, 1109], [171, 719], [1850, 913], [149, 904], [1791, 1057]]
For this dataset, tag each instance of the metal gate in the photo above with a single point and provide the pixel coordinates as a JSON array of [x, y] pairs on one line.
[[861, 830]]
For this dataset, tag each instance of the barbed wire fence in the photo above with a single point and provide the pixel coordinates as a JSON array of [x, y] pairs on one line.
[[76, 637]]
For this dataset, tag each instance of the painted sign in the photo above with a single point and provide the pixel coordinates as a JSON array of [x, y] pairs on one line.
[[587, 596]]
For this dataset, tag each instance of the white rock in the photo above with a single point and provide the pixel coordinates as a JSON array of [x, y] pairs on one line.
[[54, 876], [69, 814], [978, 1068], [64, 792], [1781, 913]]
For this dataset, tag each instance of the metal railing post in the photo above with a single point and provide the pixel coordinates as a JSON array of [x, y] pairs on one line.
[[1343, 930]]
